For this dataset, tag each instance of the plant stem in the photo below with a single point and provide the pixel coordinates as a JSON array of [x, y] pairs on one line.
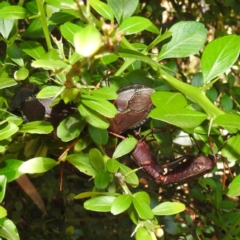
[[194, 93], [40, 4]]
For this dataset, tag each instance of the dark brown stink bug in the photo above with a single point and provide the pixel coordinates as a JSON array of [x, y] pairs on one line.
[[133, 105]]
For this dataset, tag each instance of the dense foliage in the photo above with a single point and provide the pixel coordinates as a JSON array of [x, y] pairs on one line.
[[79, 180]]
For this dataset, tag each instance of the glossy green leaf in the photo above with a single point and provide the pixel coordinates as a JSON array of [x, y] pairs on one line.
[[99, 136], [82, 144], [102, 8], [62, 4], [93, 118], [143, 209], [37, 165], [96, 159], [8, 230], [131, 178], [68, 30], [33, 49], [3, 212], [3, 184], [168, 208], [134, 25], [181, 117], [7, 130], [165, 98], [188, 37], [125, 147], [121, 204], [6, 26], [38, 127], [142, 196], [123, 9], [231, 149], [92, 194], [81, 162], [109, 58], [228, 120], [21, 74], [87, 41], [62, 17], [49, 64], [143, 234], [101, 106], [102, 179], [112, 165], [49, 91], [7, 82], [107, 93], [70, 128], [13, 12], [219, 55], [99, 204], [10, 169], [15, 54], [234, 189]]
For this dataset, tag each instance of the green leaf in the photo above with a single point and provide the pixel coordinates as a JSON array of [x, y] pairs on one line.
[[99, 136], [7, 130], [102, 8], [134, 25], [87, 41], [123, 9], [21, 74], [143, 234], [54, 65], [234, 189], [62, 4], [13, 12], [3, 184], [8, 230], [226, 102], [10, 168], [81, 162], [231, 148], [228, 120], [219, 55], [168, 98], [7, 82], [38, 127], [96, 159], [187, 38], [112, 165], [102, 179], [101, 106], [70, 128], [15, 54], [92, 194], [99, 204], [143, 209], [82, 143], [50, 91], [6, 26], [181, 117], [143, 196], [131, 178], [125, 147], [37, 165], [93, 118], [33, 49], [121, 204], [3, 212], [68, 30], [168, 208], [107, 93]]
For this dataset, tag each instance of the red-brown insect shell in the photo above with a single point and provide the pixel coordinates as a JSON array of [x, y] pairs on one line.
[[133, 105], [193, 167], [144, 157]]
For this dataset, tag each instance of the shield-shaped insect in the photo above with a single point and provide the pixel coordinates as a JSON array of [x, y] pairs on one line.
[[133, 105]]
